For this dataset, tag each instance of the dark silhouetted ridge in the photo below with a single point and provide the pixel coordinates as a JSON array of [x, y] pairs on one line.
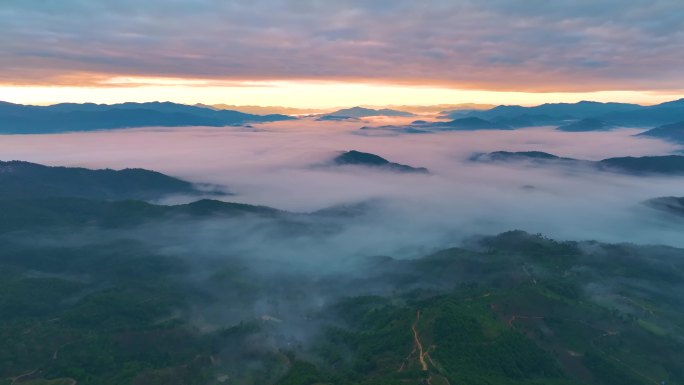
[[20, 119], [361, 112], [673, 132], [665, 165], [29, 180], [358, 158], [588, 124]]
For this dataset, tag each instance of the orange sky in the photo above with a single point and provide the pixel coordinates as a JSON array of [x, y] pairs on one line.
[[307, 53], [302, 94]]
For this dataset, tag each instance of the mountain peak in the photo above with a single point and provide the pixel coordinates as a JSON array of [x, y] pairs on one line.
[[587, 124], [672, 103], [64, 117], [362, 112], [358, 158]]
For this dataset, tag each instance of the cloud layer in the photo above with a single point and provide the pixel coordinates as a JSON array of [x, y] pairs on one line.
[[273, 166], [500, 45]]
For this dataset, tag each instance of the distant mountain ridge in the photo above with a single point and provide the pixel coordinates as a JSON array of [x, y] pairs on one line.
[[362, 112], [266, 110], [414, 109], [587, 124], [584, 116], [580, 116], [335, 118], [465, 124], [673, 132], [620, 114], [670, 205], [505, 156], [64, 117], [645, 165], [422, 126]]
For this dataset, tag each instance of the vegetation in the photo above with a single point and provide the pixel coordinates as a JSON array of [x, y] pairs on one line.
[[357, 158], [66, 117], [91, 292], [21, 180]]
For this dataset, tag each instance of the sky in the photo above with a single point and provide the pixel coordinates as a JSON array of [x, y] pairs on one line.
[[318, 53]]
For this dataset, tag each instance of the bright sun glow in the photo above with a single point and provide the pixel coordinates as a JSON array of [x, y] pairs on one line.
[[314, 94]]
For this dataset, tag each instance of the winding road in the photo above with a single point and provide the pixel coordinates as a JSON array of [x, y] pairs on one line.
[[419, 345]]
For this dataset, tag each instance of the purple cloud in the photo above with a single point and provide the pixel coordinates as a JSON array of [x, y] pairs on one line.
[[520, 45]]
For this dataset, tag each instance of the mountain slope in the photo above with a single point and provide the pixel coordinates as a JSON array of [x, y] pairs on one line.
[[361, 112], [558, 111], [505, 156], [673, 132], [670, 205], [19, 180], [669, 164], [645, 165], [20, 119], [357, 158], [587, 124], [466, 124], [659, 114], [64, 212], [515, 309], [124, 302], [619, 114], [422, 126]]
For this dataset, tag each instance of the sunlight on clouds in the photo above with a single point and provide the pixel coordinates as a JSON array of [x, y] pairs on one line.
[[314, 94], [152, 81]]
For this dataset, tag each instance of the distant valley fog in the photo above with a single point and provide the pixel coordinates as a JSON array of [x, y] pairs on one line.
[[278, 165]]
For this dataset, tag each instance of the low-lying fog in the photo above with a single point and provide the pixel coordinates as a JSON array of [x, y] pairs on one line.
[[271, 164]]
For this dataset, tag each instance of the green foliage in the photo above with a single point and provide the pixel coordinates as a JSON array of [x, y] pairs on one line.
[[21, 180], [528, 310], [302, 373], [608, 372]]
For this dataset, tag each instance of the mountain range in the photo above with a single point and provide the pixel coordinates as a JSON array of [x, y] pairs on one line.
[[670, 205], [414, 109], [587, 124], [267, 110], [462, 124], [673, 132], [645, 165], [100, 292], [64, 117], [570, 117], [581, 116], [422, 126], [362, 112], [24, 180], [618, 114]]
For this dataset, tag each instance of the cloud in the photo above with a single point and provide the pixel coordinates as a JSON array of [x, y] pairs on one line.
[[272, 167], [238, 269], [498, 45]]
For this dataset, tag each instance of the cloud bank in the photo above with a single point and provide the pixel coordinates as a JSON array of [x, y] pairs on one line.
[[273, 166], [496, 45]]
